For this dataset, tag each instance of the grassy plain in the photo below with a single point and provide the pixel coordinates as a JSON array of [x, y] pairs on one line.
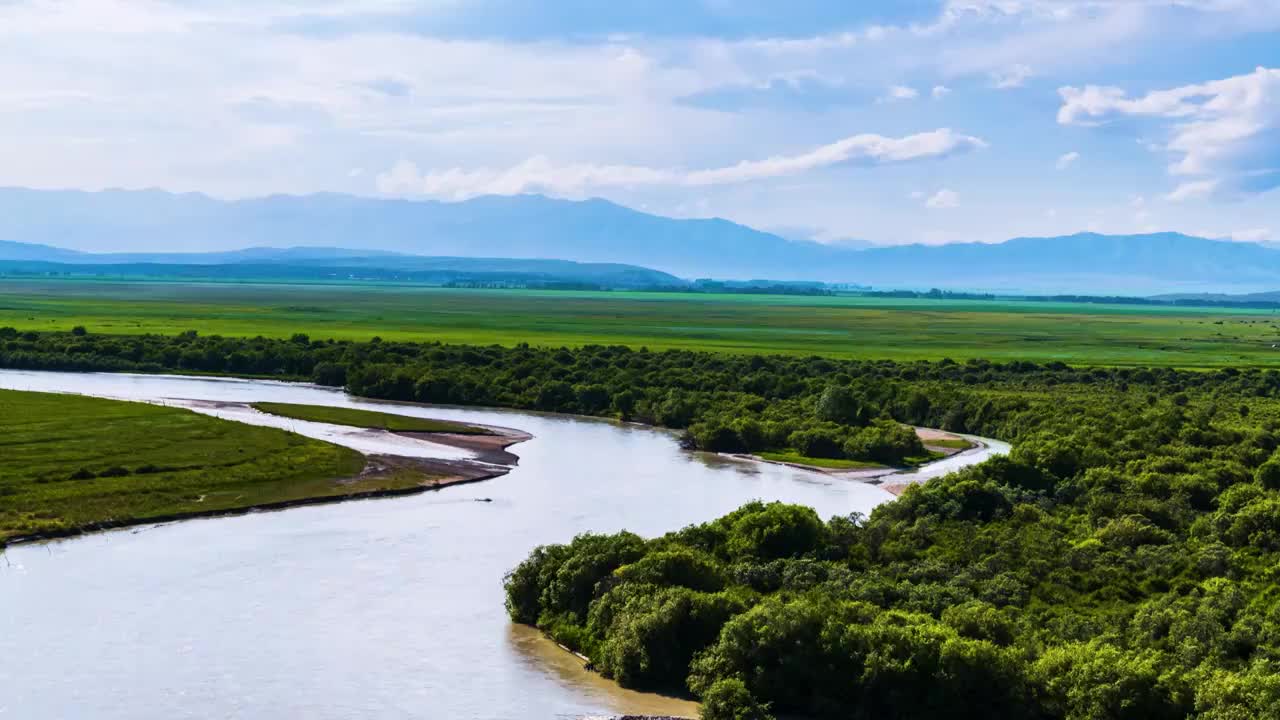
[[367, 419], [796, 458], [900, 329], [70, 462], [951, 444]]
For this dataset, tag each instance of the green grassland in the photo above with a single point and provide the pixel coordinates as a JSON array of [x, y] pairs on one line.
[[855, 327], [367, 419], [71, 462], [796, 458], [951, 444]]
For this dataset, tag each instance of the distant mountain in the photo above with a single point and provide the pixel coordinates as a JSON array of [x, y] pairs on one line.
[[1083, 263], [525, 226], [300, 255], [1270, 297], [43, 253], [315, 228], [326, 264]]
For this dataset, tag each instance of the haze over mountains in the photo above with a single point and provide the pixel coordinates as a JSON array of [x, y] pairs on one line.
[[349, 231]]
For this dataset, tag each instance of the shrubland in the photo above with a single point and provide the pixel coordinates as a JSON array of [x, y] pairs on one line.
[[1120, 563]]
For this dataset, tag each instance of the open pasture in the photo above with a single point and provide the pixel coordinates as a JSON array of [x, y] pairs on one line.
[[840, 326], [69, 462]]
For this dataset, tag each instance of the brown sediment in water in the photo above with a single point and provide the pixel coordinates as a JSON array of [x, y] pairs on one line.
[[488, 448], [569, 668], [930, 437]]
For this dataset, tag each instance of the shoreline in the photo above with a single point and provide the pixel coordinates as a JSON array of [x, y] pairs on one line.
[[880, 475], [874, 472], [493, 461], [568, 666]]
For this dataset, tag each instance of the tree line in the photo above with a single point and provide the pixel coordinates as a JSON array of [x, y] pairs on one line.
[[816, 406], [1121, 563]]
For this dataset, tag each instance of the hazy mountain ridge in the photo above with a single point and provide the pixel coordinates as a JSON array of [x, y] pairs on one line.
[[525, 226], [315, 229]]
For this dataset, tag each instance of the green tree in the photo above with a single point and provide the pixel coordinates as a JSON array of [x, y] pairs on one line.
[[729, 699]]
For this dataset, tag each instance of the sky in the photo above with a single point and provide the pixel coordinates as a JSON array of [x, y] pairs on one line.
[[884, 121]]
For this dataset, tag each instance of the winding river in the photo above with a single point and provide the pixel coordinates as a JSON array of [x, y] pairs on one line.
[[386, 608]]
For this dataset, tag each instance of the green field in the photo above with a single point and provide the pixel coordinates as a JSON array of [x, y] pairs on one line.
[[71, 462], [902, 329], [951, 444], [796, 458], [367, 419]]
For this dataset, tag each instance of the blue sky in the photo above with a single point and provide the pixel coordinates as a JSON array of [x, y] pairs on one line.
[[907, 121]]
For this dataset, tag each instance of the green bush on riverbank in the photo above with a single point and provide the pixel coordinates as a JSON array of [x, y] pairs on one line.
[[1119, 564]]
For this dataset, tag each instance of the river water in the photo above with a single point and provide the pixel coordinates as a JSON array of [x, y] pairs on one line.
[[388, 608]]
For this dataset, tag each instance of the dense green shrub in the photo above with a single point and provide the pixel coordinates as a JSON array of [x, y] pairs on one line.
[[730, 699], [1120, 564]]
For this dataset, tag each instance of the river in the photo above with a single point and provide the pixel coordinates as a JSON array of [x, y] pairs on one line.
[[387, 608]]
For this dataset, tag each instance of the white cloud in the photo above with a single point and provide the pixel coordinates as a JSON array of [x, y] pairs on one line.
[[1012, 77], [540, 174], [1225, 132], [943, 200], [1252, 235], [97, 93], [1067, 160], [898, 93], [1195, 190], [866, 149], [537, 174]]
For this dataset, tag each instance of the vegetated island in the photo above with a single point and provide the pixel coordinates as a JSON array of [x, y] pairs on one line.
[[935, 444], [73, 464], [490, 443]]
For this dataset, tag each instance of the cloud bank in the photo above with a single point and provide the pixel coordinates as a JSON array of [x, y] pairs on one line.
[[1224, 135], [540, 174]]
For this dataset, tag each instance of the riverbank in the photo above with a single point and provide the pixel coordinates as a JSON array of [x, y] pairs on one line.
[[104, 525], [143, 464], [409, 585], [953, 451]]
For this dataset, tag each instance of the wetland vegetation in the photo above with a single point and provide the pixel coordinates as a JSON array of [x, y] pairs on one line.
[[354, 417]]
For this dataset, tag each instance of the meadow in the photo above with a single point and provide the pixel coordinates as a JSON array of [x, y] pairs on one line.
[[837, 326], [72, 462], [367, 419]]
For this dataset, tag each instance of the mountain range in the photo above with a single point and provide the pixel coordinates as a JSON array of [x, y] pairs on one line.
[[350, 231]]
